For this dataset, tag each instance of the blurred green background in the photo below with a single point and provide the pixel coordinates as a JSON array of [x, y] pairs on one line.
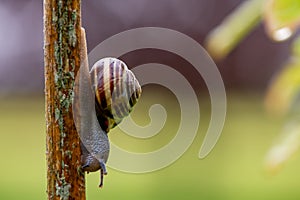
[[233, 170], [258, 73]]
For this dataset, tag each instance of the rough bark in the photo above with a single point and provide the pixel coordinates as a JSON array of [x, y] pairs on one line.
[[62, 61]]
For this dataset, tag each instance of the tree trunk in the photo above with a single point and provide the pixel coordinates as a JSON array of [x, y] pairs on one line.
[[62, 22]]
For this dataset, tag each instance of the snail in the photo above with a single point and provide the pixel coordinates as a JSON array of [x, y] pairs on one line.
[[103, 97]]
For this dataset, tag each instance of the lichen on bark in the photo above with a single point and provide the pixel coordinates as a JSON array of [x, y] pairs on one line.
[[62, 61]]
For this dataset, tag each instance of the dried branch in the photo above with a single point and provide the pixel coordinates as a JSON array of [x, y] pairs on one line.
[[62, 33]]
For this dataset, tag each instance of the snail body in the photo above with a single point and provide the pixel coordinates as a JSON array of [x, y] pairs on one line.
[[115, 91]]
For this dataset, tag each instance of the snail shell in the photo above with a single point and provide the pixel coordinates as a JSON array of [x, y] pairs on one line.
[[117, 91]]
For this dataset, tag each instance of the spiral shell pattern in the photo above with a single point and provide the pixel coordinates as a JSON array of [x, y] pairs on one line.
[[117, 91]]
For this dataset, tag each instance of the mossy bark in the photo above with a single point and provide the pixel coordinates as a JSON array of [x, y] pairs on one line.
[[62, 33]]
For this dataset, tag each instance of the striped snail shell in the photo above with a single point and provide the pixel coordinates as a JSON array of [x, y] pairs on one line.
[[117, 91]]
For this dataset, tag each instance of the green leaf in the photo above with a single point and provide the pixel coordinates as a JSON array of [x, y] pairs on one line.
[[296, 47], [286, 145], [284, 88], [282, 18], [234, 28]]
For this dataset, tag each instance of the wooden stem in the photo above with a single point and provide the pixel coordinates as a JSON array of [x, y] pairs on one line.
[[62, 34]]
